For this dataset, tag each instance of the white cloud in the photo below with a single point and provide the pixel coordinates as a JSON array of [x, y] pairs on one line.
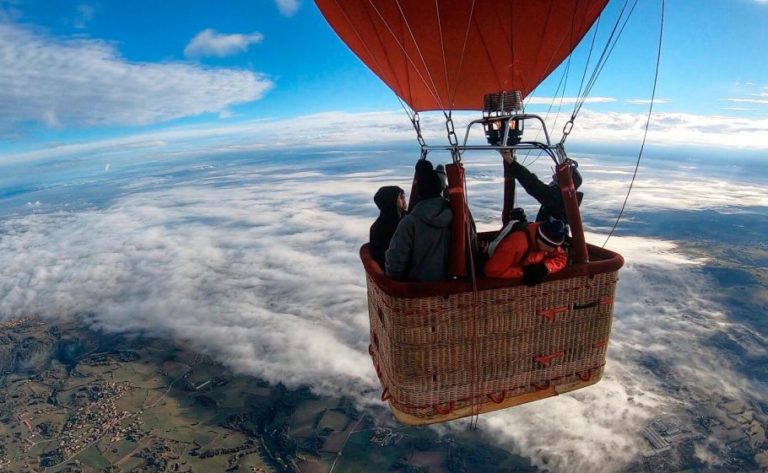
[[674, 191], [322, 130], [742, 100], [739, 109], [235, 261], [217, 257], [672, 129], [566, 100], [331, 130], [83, 15], [287, 7], [80, 83], [646, 101], [210, 43]]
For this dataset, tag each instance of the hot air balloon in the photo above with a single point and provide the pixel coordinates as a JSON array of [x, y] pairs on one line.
[[471, 344]]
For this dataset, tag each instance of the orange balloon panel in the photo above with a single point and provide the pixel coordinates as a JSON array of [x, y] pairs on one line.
[[447, 54]]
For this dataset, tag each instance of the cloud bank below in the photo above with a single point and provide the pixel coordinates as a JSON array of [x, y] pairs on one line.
[[235, 260]]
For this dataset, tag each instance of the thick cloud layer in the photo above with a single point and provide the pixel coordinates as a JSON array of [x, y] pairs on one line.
[[72, 83], [255, 263]]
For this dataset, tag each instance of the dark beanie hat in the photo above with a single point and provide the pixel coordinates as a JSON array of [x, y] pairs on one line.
[[429, 181], [423, 166], [552, 232]]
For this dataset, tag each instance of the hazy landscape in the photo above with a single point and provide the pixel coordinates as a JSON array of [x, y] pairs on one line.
[[190, 301]]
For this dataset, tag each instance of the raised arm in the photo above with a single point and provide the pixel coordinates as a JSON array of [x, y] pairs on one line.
[[544, 194]]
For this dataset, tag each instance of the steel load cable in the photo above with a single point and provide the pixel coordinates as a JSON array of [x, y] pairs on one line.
[[647, 124]]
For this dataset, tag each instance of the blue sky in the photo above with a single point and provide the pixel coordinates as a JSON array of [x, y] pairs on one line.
[[197, 170], [81, 72]]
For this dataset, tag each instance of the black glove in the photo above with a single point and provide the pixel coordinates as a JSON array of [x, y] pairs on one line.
[[517, 213], [534, 273]]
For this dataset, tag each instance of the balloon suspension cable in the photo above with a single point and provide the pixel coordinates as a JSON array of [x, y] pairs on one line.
[[430, 85], [561, 85], [589, 55], [412, 115], [647, 123], [475, 392], [563, 82], [452, 94], [560, 90], [613, 39]]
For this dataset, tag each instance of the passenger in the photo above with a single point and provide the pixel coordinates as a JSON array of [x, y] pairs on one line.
[[391, 202], [531, 253], [549, 196], [420, 245]]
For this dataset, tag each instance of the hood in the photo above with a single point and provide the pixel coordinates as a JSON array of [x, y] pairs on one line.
[[434, 211], [386, 199]]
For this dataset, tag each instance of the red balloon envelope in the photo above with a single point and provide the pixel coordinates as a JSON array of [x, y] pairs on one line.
[[447, 54]]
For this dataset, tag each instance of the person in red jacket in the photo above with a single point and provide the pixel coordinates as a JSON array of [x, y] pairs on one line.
[[530, 253]]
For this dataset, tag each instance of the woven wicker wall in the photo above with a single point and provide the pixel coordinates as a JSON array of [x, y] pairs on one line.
[[438, 354]]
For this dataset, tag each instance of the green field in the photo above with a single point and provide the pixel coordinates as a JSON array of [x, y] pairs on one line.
[[177, 425]]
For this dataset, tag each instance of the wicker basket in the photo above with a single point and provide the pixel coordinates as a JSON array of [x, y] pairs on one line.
[[444, 351]]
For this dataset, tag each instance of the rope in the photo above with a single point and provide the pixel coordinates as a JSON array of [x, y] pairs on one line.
[[647, 123], [436, 91], [564, 81], [589, 55], [475, 390], [601, 60], [463, 51], [365, 45], [560, 90], [613, 38], [442, 45], [612, 46], [432, 90]]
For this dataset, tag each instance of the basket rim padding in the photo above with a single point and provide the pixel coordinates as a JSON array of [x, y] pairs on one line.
[[601, 261]]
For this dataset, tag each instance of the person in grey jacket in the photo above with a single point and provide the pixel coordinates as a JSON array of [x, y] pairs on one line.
[[419, 248]]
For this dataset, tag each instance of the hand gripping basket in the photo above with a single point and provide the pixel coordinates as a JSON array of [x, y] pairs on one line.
[[444, 351]]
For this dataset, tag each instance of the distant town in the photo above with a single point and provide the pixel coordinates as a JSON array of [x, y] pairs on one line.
[[77, 401]]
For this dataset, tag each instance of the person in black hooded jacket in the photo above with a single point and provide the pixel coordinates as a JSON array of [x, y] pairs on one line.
[[548, 195], [391, 202]]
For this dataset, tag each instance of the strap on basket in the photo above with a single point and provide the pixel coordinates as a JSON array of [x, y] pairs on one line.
[[585, 375], [498, 398], [551, 313], [444, 410], [547, 359]]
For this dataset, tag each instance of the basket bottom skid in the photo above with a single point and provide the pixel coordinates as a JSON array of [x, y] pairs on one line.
[[490, 406]]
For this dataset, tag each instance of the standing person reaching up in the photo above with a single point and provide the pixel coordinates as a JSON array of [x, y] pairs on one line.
[[548, 195]]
